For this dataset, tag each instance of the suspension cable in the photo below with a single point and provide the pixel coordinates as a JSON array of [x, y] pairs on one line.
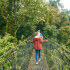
[[15, 47], [58, 45]]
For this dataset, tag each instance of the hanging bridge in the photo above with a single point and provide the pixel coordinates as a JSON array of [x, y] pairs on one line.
[[22, 57]]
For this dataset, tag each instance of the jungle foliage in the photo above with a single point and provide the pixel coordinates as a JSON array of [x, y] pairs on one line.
[[21, 18]]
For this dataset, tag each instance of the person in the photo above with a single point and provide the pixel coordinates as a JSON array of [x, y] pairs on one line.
[[37, 40], [40, 34]]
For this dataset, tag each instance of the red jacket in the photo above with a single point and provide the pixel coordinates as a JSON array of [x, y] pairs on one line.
[[37, 43]]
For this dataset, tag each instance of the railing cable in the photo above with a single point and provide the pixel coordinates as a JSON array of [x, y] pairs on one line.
[[15, 47]]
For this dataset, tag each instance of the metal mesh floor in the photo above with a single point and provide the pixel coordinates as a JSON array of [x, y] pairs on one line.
[[42, 65]]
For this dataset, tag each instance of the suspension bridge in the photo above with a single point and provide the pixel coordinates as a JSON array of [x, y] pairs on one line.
[[22, 57]]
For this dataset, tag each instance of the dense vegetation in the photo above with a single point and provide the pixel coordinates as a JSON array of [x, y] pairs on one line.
[[21, 18]]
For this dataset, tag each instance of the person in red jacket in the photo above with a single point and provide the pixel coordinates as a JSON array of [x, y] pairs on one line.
[[37, 40]]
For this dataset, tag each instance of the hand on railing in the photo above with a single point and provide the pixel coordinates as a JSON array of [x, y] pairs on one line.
[[46, 40]]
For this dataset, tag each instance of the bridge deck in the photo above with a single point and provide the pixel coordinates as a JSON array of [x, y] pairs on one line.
[[42, 65]]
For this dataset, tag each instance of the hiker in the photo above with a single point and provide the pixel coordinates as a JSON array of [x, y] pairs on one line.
[[40, 34], [37, 40]]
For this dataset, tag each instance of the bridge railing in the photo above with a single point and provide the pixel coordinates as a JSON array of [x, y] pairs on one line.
[[56, 56], [16, 46], [18, 59]]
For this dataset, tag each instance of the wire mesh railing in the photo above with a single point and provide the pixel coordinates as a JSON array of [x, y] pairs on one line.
[[56, 58], [25, 41], [19, 59]]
